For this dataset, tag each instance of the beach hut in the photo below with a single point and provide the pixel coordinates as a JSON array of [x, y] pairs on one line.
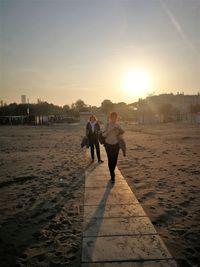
[[198, 117], [13, 120], [42, 119]]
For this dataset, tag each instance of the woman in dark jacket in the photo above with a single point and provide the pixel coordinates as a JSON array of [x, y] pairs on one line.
[[92, 132]]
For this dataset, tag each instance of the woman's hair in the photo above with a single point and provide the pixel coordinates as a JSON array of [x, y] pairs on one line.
[[93, 116], [113, 114]]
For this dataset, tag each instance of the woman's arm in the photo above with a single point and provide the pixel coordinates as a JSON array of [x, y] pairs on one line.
[[98, 127], [105, 130], [121, 131]]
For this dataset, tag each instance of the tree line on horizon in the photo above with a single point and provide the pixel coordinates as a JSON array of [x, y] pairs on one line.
[[126, 111], [45, 108]]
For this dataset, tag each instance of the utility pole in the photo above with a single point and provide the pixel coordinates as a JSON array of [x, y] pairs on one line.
[[28, 111]]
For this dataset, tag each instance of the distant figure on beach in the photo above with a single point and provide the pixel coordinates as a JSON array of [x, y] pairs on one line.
[[112, 134], [92, 132]]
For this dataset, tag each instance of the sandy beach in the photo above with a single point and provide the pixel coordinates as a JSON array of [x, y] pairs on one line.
[[162, 168], [42, 188]]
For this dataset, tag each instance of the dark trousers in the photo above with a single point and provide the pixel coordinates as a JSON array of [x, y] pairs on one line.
[[112, 154], [95, 143]]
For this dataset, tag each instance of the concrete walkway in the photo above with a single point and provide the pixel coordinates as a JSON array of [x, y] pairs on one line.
[[117, 232]]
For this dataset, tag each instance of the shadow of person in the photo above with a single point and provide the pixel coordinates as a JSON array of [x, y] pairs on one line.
[[92, 228]]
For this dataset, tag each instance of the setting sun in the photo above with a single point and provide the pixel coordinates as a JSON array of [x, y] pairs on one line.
[[136, 82]]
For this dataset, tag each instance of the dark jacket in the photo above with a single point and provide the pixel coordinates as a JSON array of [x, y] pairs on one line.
[[92, 136]]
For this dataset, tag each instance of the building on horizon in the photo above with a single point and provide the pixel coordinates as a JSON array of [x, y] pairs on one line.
[[23, 99], [168, 107]]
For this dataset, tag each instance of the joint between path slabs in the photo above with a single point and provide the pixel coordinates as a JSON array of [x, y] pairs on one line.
[[135, 261]]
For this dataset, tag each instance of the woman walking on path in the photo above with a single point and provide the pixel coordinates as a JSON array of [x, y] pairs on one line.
[[112, 134], [92, 132]]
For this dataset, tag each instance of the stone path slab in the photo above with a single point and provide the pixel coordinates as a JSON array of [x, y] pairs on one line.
[[109, 195], [124, 248], [90, 182], [118, 211], [122, 226], [117, 232]]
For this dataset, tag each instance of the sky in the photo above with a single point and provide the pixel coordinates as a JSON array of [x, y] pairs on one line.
[[64, 50]]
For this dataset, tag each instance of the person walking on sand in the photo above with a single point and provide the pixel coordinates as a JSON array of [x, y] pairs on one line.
[[112, 134], [92, 132]]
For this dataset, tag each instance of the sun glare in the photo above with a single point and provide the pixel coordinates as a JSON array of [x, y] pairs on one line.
[[136, 83]]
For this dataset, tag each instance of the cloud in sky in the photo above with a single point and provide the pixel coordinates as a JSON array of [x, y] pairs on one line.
[[179, 28]]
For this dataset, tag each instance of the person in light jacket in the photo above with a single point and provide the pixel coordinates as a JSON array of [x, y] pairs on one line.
[[112, 133], [92, 132]]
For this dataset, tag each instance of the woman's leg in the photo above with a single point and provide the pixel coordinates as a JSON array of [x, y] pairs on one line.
[[92, 150], [113, 160], [97, 150], [109, 155], [112, 153], [115, 154]]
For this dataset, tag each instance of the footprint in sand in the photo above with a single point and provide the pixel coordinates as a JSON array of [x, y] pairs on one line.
[[185, 203]]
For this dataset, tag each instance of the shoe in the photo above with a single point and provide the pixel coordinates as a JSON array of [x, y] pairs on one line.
[[100, 161]]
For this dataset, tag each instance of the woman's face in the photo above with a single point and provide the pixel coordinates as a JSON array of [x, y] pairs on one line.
[[113, 118], [92, 118]]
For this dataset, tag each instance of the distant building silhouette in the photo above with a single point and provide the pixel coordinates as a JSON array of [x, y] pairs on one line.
[[152, 108], [23, 99], [39, 101], [180, 101]]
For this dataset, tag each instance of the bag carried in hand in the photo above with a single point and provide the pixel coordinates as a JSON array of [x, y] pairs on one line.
[[85, 142]]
